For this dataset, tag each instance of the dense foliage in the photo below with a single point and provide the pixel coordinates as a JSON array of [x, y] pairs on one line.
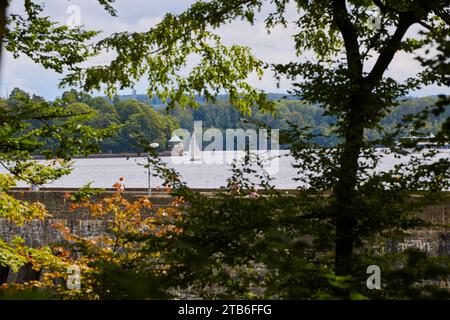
[[314, 244]]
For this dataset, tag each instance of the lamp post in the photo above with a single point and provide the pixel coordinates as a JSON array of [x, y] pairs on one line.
[[153, 145]]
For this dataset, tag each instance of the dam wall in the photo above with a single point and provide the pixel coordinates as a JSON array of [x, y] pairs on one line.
[[38, 233], [435, 241]]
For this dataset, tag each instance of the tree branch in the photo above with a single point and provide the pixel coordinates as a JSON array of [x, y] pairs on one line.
[[392, 46], [350, 36], [443, 15]]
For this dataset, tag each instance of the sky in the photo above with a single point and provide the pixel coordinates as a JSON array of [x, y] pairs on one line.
[[141, 15]]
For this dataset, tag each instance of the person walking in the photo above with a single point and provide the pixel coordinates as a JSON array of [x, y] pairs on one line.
[[120, 185], [254, 194]]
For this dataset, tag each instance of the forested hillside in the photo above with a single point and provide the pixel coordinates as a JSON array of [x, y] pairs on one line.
[[143, 119], [303, 114]]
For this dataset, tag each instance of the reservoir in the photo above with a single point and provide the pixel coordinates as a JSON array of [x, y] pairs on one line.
[[211, 171]]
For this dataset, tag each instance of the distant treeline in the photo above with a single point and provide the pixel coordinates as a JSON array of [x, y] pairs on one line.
[[145, 120], [303, 114]]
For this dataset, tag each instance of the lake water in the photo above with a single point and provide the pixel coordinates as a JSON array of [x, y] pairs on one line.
[[212, 172]]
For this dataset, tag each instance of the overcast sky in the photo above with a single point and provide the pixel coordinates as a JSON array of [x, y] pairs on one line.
[[140, 15]]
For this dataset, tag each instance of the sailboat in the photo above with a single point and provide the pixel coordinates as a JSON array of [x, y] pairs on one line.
[[194, 150]]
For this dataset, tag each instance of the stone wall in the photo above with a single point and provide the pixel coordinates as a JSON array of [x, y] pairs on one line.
[[436, 240], [39, 233]]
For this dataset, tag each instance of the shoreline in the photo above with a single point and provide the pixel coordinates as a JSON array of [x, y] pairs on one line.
[[111, 155], [168, 153]]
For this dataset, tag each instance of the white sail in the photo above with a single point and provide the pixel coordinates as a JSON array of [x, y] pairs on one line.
[[194, 150]]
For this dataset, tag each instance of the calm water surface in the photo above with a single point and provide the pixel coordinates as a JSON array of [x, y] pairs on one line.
[[211, 173]]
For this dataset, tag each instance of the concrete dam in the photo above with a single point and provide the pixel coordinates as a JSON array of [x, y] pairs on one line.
[[435, 241]]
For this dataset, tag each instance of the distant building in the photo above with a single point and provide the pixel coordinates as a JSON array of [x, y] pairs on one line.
[[423, 141], [176, 146]]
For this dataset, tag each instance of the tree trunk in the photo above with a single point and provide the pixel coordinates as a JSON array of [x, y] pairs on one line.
[[4, 271], [3, 7], [345, 189]]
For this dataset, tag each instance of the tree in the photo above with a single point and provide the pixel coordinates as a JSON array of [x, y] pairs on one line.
[[363, 203], [116, 265], [31, 125], [343, 41], [141, 125]]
